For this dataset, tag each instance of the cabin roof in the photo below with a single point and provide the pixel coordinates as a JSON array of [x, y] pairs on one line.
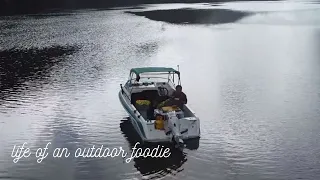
[[138, 71]]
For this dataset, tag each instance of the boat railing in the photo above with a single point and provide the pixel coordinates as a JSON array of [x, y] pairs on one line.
[[149, 80]]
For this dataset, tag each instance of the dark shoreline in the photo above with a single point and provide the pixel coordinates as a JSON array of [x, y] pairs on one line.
[[193, 16], [25, 7]]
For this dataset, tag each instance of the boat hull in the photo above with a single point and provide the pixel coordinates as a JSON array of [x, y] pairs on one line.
[[146, 129]]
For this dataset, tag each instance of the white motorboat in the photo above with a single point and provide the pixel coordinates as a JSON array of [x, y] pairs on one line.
[[141, 95]]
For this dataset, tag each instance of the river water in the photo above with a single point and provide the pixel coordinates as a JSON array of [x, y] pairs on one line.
[[251, 71]]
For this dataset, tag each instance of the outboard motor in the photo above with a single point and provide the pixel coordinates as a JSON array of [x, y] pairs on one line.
[[174, 128]]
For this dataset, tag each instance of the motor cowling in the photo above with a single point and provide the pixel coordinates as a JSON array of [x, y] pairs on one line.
[[174, 128]]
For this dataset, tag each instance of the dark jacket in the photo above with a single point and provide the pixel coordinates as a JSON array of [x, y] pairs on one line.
[[182, 99]]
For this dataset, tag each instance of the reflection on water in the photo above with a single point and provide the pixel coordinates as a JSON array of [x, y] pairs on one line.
[[157, 167], [19, 65]]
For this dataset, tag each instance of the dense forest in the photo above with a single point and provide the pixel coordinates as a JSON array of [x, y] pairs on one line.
[[10, 7]]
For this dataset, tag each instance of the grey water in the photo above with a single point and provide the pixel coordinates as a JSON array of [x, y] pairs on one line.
[[251, 71]]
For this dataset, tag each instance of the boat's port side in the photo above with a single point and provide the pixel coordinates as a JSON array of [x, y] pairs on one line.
[[135, 117]]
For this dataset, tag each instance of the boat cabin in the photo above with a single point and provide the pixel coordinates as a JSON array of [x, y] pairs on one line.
[[147, 87]]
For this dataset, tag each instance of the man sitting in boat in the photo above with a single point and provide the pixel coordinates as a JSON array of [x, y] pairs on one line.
[[178, 98]]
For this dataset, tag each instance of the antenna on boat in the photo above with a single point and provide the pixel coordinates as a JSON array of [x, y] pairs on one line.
[[179, 80]]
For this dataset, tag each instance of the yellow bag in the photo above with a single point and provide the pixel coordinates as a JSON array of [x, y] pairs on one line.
[[143, 102], [162, 103]]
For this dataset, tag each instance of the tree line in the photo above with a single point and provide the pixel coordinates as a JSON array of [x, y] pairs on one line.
[[11, 7]]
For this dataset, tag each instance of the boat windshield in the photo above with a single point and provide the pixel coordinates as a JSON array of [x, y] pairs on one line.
[[155, 77]]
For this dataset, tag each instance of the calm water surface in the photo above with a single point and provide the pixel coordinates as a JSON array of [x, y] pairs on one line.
[[253, 78]]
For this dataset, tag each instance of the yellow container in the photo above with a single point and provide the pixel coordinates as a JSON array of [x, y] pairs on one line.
[[143, 102], [170, 108], [159, 124]]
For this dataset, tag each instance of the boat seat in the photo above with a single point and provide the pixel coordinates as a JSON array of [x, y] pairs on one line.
[[150, 95]]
